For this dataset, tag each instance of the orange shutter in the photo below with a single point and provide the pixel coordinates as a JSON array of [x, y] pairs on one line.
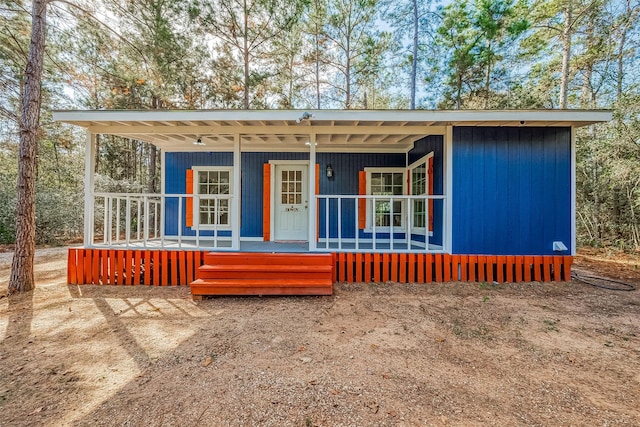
[[430, 177], [362, 203], [189, 200], [266, 203], [317, 178]]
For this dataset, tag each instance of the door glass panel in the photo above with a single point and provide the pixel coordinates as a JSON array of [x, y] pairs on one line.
[[291, 187]]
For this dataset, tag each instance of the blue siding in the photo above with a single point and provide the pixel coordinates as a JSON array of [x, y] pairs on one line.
[[252, 187], [345, 181], [511, 190], [175, 179]]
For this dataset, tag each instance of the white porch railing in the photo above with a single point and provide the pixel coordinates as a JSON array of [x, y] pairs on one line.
[[140, 220], [334, 210], [151, 220]]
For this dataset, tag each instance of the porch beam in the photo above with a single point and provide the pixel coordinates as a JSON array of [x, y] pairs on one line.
[[89, 165], [237, 191], [268, 130], [312, 192]]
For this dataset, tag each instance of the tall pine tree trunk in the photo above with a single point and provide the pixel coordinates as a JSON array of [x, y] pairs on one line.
[[245, 54], [152, 169], [566, 53], [22, 266], [414, 60], [317, 41]]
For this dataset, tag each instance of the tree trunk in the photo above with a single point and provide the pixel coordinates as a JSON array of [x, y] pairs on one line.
[[621, 48], [95, 170], [347, 101], [586, 95], [414, 62], [566, 53], [152, 169], [245, 53], [317, 40], [22, 279], [487, 77]]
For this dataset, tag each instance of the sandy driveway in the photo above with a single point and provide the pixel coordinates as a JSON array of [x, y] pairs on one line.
[[373, 354]]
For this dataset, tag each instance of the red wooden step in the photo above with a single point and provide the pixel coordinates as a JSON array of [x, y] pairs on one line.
[[202, 287], [252, 273], [265, 271], [248, 283], [262, 258]]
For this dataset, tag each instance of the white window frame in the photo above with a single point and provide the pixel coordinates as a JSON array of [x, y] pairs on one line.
[[422, 160], [369, 223], [196, 191]]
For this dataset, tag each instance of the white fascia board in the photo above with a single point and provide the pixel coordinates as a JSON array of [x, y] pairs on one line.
[[457, 117]]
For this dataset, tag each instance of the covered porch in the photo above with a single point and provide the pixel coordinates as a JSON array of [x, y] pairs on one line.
[[230, 179]]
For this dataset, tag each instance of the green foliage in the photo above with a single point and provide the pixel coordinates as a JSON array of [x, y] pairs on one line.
[[485, 54]]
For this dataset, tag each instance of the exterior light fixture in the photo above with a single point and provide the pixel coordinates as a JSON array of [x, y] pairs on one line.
[[198, 141], [329, 171], [305, 116]]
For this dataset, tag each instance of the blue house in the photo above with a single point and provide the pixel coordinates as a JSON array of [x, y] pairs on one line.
[[388, 195]]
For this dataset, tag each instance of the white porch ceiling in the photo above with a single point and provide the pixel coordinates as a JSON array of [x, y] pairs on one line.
[[335, 130]]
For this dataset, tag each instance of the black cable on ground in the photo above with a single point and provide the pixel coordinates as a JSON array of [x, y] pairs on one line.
[[603, 282]]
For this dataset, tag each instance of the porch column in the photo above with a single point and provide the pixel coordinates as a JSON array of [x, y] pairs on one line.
[[573, 192], [312, 192], [448, 189], [89, 167], [237, 192], [163, 191]]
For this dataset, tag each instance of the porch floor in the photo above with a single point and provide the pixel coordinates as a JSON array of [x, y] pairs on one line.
[[261, 246]]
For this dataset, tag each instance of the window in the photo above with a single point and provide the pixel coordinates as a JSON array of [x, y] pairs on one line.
[[214, 188], [421, 185], [386, 182]]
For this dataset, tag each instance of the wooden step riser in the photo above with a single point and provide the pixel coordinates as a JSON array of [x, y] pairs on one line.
[[268, 268], [248, 258], [259, 283], [259, 291], [276, 275]]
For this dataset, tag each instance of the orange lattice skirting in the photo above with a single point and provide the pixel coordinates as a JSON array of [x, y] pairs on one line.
[[180, 267]]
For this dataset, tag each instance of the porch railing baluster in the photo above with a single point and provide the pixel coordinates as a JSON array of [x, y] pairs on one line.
[[391, 223], [339, 223], [357, 229], [373, 223], [179, 221], [327, 232], [127, 218], [104, 225], [145, 227], [196, 202]]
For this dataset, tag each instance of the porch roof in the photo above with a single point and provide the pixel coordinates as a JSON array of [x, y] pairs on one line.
[[289, 130]]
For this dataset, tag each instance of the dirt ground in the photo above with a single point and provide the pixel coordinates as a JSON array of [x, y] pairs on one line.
[[372, 354]]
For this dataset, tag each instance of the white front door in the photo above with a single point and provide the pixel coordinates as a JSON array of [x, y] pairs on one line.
[[291, 202]]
